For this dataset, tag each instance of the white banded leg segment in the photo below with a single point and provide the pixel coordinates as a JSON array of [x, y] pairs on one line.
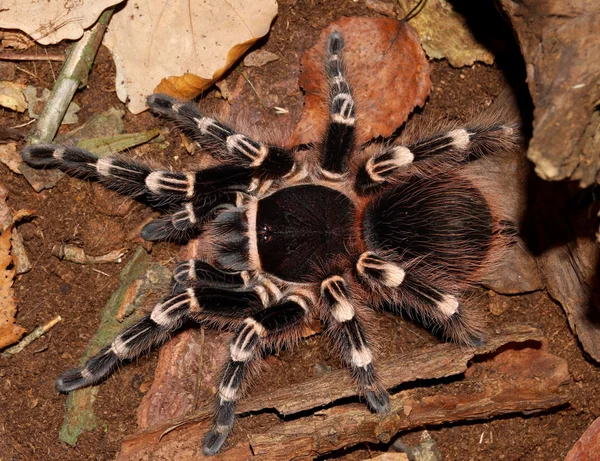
[[334, 293], [131, 343], [244, 149], [339, 139], [198, 272], [376, 270], [478, 140], [222, 141], [379, 168], [243, 349], [358, 355], [441, 312], [165, 183], [169, 313]]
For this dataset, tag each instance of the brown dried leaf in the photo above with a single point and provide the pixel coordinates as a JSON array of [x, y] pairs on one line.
[[50, 21], [11, 96], [389, 73], [10, 157], [10, 332], [181, 47]]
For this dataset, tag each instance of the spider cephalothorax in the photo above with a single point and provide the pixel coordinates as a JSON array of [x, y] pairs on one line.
[[294, 234]]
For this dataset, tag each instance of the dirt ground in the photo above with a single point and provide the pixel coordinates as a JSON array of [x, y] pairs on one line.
[[77, 212]]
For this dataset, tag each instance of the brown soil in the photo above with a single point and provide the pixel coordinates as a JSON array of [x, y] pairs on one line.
[[80, 213]]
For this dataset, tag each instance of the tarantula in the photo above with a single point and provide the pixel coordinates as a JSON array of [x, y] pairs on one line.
[[331, 232]]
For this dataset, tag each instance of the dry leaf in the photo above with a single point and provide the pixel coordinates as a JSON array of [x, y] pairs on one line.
[[50, 21], [444, 33], [181, 47], [17, 40], [10, 157], [389, 74], [11, 96], [10, 333]]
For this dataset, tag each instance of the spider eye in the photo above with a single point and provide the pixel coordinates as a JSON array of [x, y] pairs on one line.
[[264, 233]]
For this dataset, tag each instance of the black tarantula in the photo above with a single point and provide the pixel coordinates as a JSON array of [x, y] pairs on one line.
[[332, 233]]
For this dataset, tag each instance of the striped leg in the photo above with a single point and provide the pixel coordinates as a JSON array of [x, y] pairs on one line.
[[200, 303], [441, 312], [222, 141], [159, 187], [348, 332], [455, 145], [150, 331], [437, 310], [256, 331], [186, 222], [339, 140]]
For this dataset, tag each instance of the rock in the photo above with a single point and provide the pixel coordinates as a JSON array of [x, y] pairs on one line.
[[587, 448]]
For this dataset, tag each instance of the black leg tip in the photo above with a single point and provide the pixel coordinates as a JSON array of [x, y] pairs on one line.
[[70, 380], [156, 231], [161, 103], [378, 401], [41, 155], [214, 440], [335, 43]]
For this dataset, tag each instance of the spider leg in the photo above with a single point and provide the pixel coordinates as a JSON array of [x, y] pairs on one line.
[[221, 140], [186, 221], [159, 187], [256, 331], [339, 139], [199, 303], [457, 145], [348, 333], [438, 310]]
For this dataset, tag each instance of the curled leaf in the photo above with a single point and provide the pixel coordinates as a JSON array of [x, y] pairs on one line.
[[180, 47]]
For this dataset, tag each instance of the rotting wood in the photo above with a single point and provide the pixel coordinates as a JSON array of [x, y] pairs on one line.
[[438, 361], [513, 381], [560, 42]]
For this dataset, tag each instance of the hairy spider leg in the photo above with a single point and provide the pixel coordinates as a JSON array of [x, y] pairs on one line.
[[223, 142], [257, 331], [201, 303], [348, 333], [339, 139], [453, 146]]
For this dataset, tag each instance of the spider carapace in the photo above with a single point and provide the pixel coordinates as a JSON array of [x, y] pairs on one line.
[[332, 231]]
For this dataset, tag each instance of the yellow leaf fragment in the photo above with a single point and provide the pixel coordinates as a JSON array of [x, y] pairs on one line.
[[180, 47], [12, 97], [444, 33]]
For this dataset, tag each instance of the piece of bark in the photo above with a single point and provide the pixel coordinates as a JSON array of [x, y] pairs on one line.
[[513, 381], [392, 60], [570, 275], [438, 361], [587, 448], [185, 378], [560, 42], [526, 381]]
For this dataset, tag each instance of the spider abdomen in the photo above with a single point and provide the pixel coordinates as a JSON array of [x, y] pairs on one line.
[[300, 227], [445, 222]]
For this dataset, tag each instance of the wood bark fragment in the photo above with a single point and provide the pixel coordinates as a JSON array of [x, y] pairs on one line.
[[560, 42], [439, 361], [523, 381], [587, 448]]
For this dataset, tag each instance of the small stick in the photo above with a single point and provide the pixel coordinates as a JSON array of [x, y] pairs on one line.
[[31, 57], [31, 337], [73, 75]]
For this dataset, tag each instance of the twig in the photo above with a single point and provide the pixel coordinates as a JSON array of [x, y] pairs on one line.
[[31, 337], [73, 75], [31, 57]]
